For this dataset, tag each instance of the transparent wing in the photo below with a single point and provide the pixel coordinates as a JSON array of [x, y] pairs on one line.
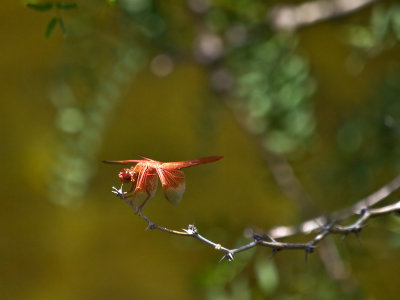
[[122, 162], [173, 183], [189, 163]]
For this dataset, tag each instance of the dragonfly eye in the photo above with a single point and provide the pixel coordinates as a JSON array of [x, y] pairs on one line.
[[125, 175]]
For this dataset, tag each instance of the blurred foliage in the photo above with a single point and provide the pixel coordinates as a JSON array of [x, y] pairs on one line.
[[378, 121], [82, 124], [382, 32], [274, 90], [85, 96], [394, 228], [282, 87], [58, 6], [272, 86]]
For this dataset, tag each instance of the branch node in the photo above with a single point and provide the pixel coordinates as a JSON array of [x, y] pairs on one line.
[[192, 230], [151, 226], [309, 248], [328, 226], [363, 211], [257, 238], [357, 229], [265, 237], [119, 192]]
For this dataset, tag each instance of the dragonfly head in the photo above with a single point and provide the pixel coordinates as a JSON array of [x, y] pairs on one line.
[[125, 175]]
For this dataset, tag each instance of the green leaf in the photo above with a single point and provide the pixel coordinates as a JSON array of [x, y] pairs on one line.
[[62, 26], [50, 27], [66, 6], [40, 7]]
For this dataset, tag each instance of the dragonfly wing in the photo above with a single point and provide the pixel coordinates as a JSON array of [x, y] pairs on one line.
[[173, 184], [122, 162], [189, 163], [148, 159], [146, 185]]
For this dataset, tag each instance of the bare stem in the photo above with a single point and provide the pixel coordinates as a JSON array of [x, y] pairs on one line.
[[322, 229], [314, 224]]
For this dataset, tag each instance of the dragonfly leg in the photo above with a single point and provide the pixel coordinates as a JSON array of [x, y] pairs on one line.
[[145, 201], [131, 189], [129, 193]]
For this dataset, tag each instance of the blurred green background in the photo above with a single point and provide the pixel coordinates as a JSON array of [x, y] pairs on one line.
[[308, 122]]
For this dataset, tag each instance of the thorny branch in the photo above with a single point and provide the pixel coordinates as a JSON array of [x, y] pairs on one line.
[[322, 226], [358, 208]]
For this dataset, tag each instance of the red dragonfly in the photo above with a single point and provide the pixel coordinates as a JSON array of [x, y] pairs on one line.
[[143, 177]]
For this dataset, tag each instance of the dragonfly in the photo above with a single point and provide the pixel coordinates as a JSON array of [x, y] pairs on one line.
[[144, 175]]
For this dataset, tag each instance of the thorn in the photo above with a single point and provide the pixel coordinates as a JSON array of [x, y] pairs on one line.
[[357, 232], [308, 249], [228, 256], [358, 237], [275, 251]]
